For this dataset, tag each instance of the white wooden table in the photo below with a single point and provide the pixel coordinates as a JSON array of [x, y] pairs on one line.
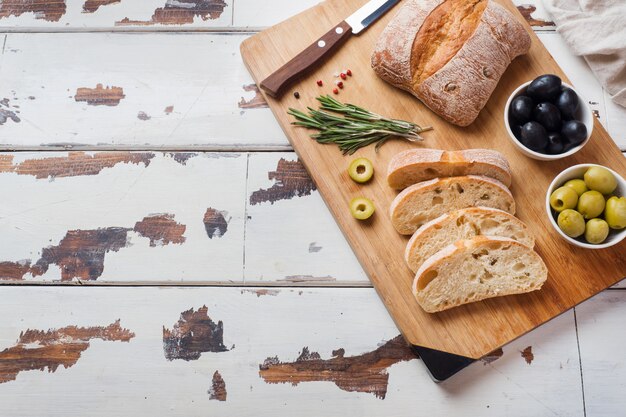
[[211, 279]]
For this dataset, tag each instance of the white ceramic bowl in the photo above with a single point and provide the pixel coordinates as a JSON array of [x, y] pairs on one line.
[[584, 114], [577, 171]]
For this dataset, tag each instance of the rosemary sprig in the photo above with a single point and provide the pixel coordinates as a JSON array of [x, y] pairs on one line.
[[355, 128]]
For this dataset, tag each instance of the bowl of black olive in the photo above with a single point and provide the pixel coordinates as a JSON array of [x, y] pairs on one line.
[[547, 119]]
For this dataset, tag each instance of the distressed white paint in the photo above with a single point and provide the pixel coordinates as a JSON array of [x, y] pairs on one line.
[[201, 75], [37, 213], [238, 14], [289, 241], [295, 239], [106, 18], [263, 13], [204, 78], [616, 120], [114, 378], [601, 337], [539, 14]]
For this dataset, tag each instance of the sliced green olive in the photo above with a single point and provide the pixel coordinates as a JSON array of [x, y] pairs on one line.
[[361, 170], [563, 198], [361, 208]]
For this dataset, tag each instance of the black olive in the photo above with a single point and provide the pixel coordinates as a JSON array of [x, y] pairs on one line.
[[556, 145], [567, 102], [544, 88], [521, 109], [548, 115], [575, 132], [516, 129], [534, 136]]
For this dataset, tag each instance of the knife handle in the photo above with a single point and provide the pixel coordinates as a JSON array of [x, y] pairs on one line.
[[279, 79]]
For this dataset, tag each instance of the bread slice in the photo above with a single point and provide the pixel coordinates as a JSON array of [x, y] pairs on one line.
[[478, 268], [463, 224], [425, 201], [416, 165], [450, 54]]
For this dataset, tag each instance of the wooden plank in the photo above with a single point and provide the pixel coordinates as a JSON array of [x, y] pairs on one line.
[[604, 369], [290, 234], [260, 14], [122, 217], [378, 247], [254, 327], [190, 184], [90, 15], [616, 120], [172, 91], [186, 15], [214, 102]]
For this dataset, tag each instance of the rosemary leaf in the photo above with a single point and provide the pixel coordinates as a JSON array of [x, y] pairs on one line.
[[352, 127]]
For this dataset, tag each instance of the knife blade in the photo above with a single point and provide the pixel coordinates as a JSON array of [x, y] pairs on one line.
[[323, 47]]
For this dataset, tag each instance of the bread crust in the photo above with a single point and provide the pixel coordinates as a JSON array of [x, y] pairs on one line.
[[428, 230], [416, 165], [431, 185], [460, 246], [460, 89]]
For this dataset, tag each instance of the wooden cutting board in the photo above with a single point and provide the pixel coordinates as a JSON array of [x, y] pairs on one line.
[[475, 329]]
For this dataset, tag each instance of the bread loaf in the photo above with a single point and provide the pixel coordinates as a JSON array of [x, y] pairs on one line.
[[416, 165], [449, 53], [475, 269], [463, 224], [425, 201]]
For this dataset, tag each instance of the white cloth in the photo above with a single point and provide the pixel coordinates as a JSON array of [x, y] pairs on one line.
[[596, 30]]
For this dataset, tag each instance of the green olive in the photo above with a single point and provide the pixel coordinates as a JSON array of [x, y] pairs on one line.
[[571, 223], [596, 231], [577, 185], [361, 170], [615, 212], [591, 204], [600, 179], [563, 198], [361, 208]]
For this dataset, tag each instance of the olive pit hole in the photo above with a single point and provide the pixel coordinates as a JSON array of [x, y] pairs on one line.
[[361, 207], [360, 169]]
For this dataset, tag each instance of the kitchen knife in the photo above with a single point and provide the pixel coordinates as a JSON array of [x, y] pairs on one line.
[[321, 48]]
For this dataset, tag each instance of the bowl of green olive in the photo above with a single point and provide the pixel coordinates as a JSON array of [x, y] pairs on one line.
[[586, 205]]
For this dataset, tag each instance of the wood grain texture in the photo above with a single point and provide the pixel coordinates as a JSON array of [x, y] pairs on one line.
[[290, 235], [185, 15], [189, 86], [229, 113], [603, 371], [121, 217], [89, 15], [155, 217], [461, 330], [352, 322]]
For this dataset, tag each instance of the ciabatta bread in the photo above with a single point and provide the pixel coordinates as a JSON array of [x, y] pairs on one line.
[[417, 165], [449, 53], [463, 224], [476, 269], [425, 201]]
